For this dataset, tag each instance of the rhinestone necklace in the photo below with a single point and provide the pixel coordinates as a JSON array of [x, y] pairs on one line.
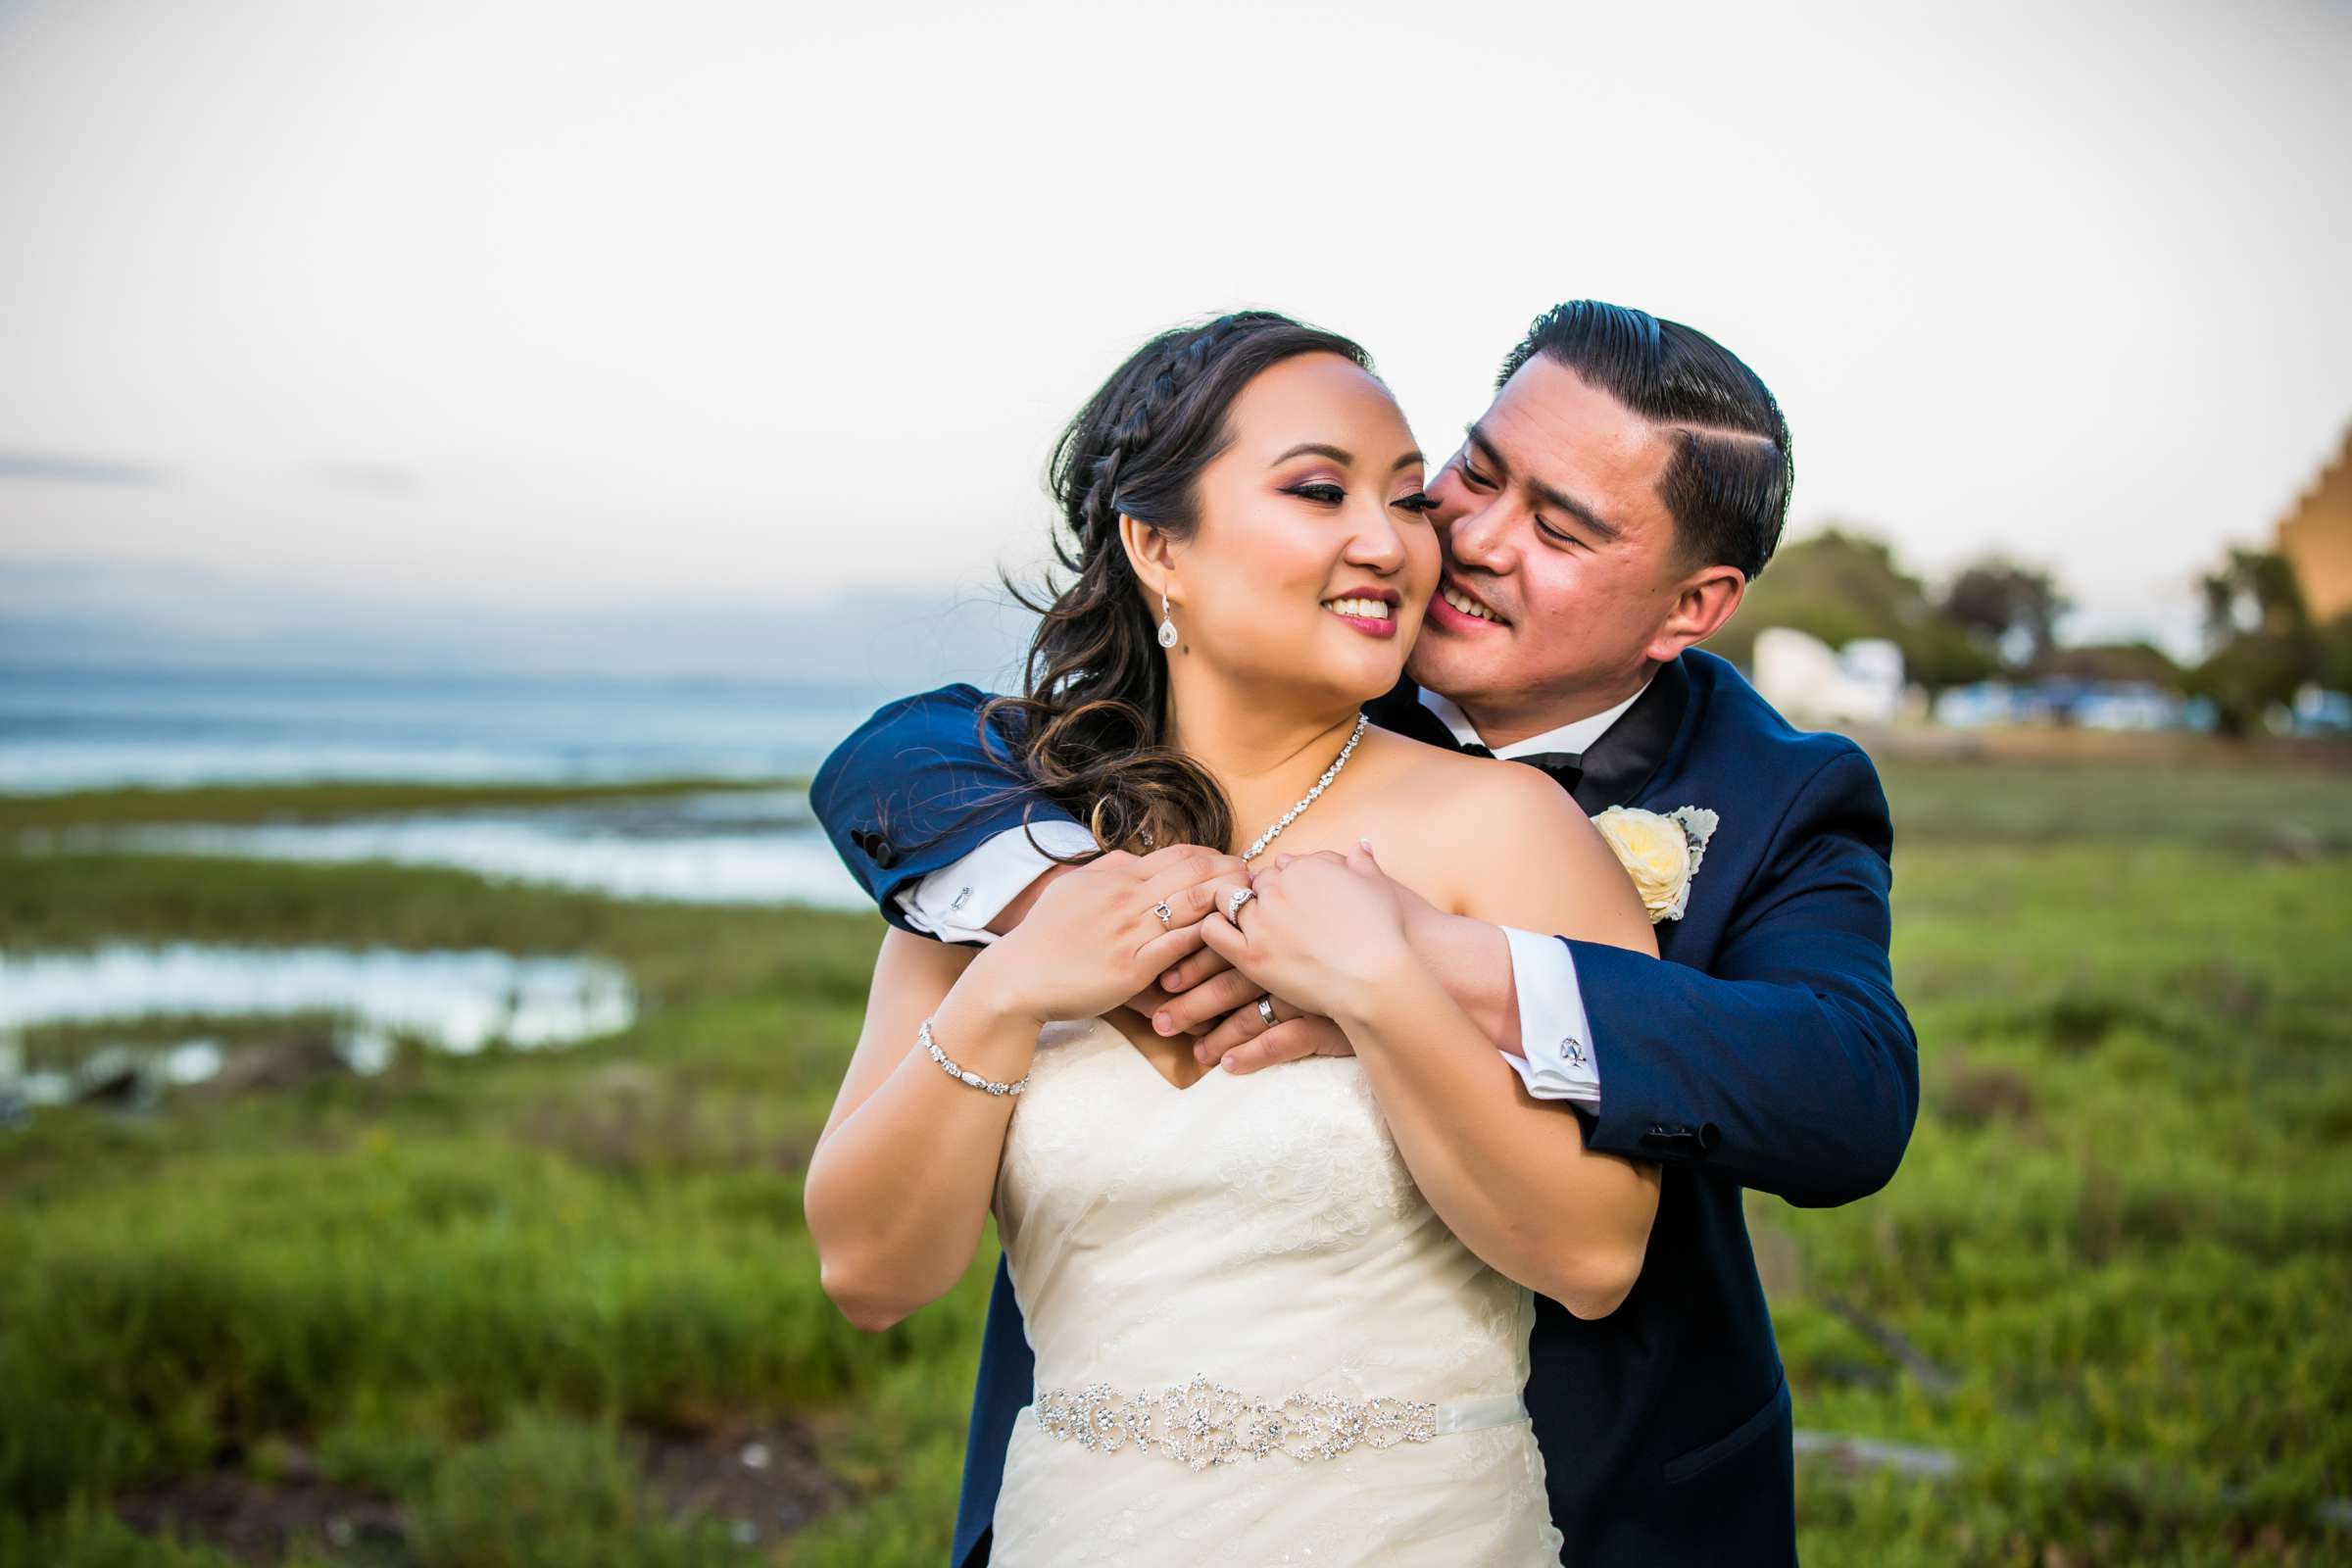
[[1309, 799]]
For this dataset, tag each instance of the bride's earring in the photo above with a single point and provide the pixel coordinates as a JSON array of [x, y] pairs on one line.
[[1167, 628]]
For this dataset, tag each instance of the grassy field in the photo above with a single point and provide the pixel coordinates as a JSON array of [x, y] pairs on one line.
[[2107, 1293]]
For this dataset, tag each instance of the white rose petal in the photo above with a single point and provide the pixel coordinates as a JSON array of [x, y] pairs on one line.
[[1661, 853]]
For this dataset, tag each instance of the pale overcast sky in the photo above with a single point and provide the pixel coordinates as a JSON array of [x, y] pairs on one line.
[[570, 304]]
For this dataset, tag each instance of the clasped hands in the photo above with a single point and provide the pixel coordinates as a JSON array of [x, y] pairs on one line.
[[1322, 936], [1318, 936]]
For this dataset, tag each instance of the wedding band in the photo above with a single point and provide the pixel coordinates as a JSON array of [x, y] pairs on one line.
[[1265, 1010], [1165, 913], [1240, 896]]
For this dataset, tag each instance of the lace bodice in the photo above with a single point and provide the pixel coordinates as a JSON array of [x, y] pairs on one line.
[[1264, 1233]]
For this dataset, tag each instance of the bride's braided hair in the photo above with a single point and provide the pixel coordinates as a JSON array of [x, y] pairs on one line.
[[1090, 720]]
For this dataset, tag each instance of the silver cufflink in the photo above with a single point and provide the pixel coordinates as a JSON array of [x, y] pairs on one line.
[[959, 898], [1574, 1051]]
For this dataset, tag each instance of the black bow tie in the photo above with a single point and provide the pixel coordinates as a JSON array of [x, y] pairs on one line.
[[1565, 768]]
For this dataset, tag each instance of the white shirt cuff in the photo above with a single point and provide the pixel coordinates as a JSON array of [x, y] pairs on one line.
[[1554, 1031], [955, 903]]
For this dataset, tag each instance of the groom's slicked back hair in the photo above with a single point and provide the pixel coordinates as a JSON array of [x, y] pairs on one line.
[[1727, 485]]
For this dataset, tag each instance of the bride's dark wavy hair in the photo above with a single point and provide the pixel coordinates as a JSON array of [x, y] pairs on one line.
[[1088, 722]]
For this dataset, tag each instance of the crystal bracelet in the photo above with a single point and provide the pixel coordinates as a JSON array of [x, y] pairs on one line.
[[965, 1074]]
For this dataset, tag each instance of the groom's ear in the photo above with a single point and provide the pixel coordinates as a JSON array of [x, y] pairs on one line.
[[1151, 555], [1706, 601]]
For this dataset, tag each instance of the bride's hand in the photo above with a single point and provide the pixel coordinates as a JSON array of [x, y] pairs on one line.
[[1207, 997], [1094, 938], [1322, 932]]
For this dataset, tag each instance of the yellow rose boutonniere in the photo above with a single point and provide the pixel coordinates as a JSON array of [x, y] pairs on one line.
[[1660, 851]]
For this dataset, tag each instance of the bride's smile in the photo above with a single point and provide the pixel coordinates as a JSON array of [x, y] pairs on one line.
[[1308, 561], [1370, 610]]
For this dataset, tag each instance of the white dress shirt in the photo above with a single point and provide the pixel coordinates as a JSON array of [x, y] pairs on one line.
[[956, 902]]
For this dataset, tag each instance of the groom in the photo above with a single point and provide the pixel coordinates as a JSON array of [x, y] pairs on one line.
[[1603, 517]]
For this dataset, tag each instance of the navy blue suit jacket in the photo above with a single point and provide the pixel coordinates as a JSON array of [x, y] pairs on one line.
[[1763, 1048]]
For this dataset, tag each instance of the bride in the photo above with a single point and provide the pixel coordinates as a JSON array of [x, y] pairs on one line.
[[1282, 1317]]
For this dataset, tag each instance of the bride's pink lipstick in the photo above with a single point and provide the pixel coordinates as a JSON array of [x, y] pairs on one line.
[[1369, 625]]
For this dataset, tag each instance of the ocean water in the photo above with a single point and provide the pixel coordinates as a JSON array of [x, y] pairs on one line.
[[104, 729], [731, 847], [91, 730], [458, 1001], [78, 730]]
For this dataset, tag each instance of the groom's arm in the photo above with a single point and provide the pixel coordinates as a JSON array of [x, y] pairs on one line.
[[1789, 1065], [934, 824]]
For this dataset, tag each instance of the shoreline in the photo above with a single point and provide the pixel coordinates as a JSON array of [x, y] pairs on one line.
[[331, 800]]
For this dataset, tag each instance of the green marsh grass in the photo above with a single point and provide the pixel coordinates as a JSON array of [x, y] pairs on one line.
[[2110, 1277]]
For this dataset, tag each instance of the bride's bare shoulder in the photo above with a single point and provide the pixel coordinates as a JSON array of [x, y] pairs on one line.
[[1472, 794], [1465, 819], [1501, 842]]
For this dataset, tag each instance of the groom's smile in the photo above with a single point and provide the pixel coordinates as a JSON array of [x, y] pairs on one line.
[[1565, 577], [1457, 609]]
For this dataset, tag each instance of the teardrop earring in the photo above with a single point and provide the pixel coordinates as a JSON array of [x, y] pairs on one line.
[[1167, 628]]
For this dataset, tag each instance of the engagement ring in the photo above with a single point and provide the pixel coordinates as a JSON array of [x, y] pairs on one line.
[[1233, 907], [1265, 1010], [1165, 913]]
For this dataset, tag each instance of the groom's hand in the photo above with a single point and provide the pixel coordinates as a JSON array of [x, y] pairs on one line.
[[1219, 1001], [1194, 997], [1243, 1042], [1241, 1039], [1205, 995], [1183, 980], [1200, 994], [1324, 933], [1224, 1010]]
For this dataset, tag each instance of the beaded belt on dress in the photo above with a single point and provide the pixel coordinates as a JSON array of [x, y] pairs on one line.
[[1202, 1423]]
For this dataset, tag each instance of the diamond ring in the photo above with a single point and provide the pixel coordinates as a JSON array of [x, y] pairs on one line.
[[1265, 1010], [1235, 900], [1166, 914]]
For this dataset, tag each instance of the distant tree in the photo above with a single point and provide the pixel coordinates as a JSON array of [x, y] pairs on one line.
[[1938, 654], [2260, 642], [2336, 654], [1997, 600], [1842, 584], [2121, 662]]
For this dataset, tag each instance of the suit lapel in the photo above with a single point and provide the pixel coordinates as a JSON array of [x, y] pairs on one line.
[[1619, 765]]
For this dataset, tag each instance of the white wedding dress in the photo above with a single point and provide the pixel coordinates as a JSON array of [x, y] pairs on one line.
[[1263, 1235]]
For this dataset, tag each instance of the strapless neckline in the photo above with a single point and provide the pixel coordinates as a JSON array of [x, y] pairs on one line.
[[1119, 1039]]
